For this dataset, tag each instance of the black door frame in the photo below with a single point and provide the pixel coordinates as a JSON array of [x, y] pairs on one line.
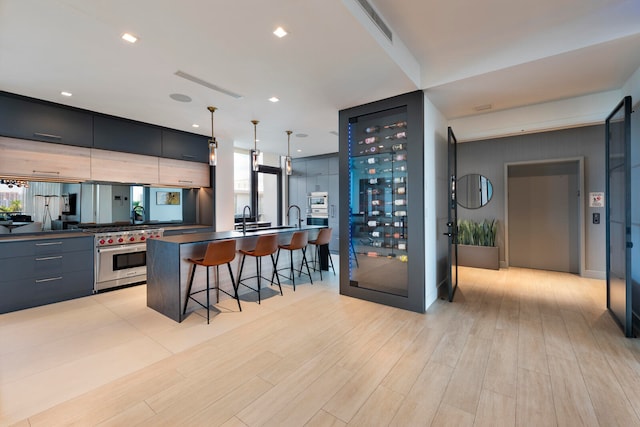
[[452, 214], [624, 320]]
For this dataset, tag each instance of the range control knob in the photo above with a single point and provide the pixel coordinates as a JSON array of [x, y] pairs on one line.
[[131, 239], [102, 241], [120, 240], [110, 241], [142, 238]]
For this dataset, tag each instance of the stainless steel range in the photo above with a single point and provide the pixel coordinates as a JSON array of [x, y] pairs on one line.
[[121, 255]]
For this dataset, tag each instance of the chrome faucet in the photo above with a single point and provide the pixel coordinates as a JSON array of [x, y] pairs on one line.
[[299, 215], [244, 218]]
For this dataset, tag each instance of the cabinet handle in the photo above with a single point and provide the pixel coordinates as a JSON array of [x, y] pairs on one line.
[[188, 156], [185, 181], [49, 258], [51, 279], [46, 172], [48, 244], [47, 135]]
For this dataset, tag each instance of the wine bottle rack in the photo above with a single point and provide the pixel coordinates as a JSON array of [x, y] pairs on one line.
[[382, 183]]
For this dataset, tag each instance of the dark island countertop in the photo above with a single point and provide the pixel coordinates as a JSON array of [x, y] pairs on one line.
[[199, 237]]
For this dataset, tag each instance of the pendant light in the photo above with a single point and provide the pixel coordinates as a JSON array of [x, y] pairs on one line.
[[213, 144], [256, 154], [287, 161]]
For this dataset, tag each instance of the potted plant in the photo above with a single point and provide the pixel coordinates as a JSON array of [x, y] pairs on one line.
[[476, 244]]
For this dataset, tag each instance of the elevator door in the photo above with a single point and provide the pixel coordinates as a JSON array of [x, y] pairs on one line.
[[544, 216]]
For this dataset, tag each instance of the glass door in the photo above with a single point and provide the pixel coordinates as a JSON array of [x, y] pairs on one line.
[[452, 223], [618, 202]]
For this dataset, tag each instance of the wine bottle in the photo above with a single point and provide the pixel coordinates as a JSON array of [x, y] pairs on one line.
[[372, 129], [399, 224], [377, 244], [396, 125], [374, 234], [400, 157], [400, 202], [400, 213], [402, 246], [371, 171], [399, 179], [370, 140], [401, 190], [402, 168], [370, 150], [375, 202], [375, 191], [398, 147], [398, 135], [372, 160], [375, 213], [373, 181]]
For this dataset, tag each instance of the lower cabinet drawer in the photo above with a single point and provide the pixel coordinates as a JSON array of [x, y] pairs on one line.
[[32, 292], [44, 266]]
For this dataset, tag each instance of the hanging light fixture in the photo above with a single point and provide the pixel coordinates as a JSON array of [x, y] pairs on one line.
[[256, 153], [213, 144], [287, 161]]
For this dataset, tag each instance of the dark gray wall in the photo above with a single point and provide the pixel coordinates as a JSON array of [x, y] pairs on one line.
[[488, 158]]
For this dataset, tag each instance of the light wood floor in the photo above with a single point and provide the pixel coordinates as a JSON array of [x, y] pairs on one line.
[[517, 347]]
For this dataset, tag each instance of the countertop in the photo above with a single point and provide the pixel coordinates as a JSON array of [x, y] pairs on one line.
[[222, 235], [61, 234]]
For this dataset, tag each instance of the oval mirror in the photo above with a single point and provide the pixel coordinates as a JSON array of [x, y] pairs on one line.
[[474, 191]]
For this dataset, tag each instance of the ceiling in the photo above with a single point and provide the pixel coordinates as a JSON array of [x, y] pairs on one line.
[[464, 54]]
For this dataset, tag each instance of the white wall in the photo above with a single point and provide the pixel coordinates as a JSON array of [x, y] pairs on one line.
[[632, 87], [435, 187]]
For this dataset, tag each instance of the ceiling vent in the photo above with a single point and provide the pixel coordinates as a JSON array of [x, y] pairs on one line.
[[376, 19], [207, 84]]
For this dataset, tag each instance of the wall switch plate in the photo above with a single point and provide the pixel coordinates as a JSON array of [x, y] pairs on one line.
[[596, 218]]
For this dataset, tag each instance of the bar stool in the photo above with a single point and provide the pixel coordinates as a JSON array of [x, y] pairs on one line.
[[298, 242], [323, 238], [217, 253], [267, 244]]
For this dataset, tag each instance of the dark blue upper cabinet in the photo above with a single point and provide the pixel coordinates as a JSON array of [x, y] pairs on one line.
[[36, 120], [112, 133], [185, 146]]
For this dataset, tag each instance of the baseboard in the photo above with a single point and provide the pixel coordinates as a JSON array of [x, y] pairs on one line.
[[595, 274]]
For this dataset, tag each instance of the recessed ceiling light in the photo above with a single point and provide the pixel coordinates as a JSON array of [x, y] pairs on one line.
[[129, 37], [63, 93], [301, 135], [280, 32], [274, 99], [195, 125], [299, 150], [180, 97], [483, 107]]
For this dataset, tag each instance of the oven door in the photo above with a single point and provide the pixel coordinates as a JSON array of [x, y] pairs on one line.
[[120, 265]]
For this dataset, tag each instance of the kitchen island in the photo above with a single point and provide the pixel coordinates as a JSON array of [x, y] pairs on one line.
[[168, 266]]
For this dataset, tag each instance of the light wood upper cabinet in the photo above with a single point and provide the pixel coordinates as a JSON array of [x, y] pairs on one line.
[[113, 166], [182, 173], [42, 161]]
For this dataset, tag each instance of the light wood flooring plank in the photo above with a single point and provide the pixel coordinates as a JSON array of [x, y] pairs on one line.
[[535, 399], [501, 374], [450, 416], [570, 395], [324, 419], [495, 410], [465, 386], [379, 409]]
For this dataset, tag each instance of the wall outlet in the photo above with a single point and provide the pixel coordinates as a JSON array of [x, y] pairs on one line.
[[596, 218]]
